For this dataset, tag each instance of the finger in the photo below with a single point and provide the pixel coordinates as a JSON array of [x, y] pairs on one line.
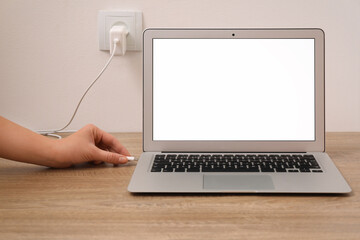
[[111, 142], [109, 157]]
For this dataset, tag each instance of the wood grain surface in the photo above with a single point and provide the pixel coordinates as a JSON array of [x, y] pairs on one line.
[[91, 202]]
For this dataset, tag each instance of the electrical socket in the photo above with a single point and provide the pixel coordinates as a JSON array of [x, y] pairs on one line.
[[132, 21]]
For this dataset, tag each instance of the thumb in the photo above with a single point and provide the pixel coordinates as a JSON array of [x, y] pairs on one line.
[[109, 157]]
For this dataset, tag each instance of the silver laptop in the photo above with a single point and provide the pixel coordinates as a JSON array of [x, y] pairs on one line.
[[235, 110]]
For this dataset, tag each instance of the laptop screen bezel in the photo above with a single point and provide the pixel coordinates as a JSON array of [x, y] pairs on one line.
[[150, 145]]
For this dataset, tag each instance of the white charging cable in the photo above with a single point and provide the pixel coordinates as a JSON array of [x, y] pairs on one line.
[[52, 133]]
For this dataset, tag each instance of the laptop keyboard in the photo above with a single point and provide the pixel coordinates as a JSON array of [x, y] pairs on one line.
[[235, 163]]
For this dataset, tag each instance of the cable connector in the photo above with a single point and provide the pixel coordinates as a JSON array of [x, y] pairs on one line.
[[118, 34]]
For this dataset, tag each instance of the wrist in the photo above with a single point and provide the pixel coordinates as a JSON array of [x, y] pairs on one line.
[[55, 154]]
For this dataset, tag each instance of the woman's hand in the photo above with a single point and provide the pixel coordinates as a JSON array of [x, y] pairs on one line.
[[89, 144]]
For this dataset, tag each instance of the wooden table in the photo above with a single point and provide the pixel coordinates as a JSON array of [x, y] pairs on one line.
[[91, 202]]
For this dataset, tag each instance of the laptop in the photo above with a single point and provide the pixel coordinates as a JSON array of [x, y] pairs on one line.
[[234, 110]]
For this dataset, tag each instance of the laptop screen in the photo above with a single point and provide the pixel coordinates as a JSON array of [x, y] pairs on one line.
[[233, 89]]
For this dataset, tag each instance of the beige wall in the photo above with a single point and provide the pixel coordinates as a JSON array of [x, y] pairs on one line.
[[49, 55]]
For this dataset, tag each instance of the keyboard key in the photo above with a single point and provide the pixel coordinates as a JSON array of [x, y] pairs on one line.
[[267, 169], [180, 169], [193, 169], [154, 169], [168, 169], [253, 169], [280, 169]]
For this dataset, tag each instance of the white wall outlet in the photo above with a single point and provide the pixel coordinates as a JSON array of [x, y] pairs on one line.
[[133, 22]]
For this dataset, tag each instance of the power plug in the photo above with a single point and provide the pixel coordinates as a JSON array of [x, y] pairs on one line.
[[118, 35], [132, 20]]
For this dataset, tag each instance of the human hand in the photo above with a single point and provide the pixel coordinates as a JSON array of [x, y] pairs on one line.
[[89, 144]]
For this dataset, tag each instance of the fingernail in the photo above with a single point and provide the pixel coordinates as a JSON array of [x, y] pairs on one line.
[[123, 160]]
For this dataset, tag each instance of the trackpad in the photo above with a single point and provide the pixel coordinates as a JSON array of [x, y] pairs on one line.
[[238, 182]]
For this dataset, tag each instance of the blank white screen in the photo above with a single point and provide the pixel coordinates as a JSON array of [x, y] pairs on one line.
[[233, 89]]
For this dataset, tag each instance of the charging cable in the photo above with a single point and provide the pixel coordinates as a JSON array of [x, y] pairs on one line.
[[116, 33]]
